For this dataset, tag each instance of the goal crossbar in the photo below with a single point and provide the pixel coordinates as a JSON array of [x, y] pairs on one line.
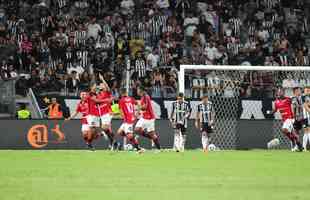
[[234, 68]]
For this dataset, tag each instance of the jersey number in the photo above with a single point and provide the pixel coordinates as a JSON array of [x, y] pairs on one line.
[[130, 107]]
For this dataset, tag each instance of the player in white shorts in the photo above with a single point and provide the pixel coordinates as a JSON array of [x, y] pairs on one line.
[[127, 108], [147, 121], [83, 108]]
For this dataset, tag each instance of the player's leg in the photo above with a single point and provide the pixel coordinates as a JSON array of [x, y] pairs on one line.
[[183, 137], [177, 139], [140, 128], [106, 125], [88, 138], [205, 137], [150, 128], [288, 130], [180, 137], [92, 132], [155, 138], [126, 130], [306, 138]]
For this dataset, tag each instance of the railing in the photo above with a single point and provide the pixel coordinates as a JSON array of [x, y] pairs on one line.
[[36, 108]]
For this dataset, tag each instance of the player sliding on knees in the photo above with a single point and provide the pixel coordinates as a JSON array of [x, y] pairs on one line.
[[83, 108], [204, 121], [181, 111], [284, 106], [105, 112], [127, 108], [146, 124]]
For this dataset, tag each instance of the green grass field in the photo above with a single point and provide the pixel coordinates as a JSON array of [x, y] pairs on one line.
[[102, 175]]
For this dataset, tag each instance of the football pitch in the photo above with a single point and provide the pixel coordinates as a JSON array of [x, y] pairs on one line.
[[104, 175]]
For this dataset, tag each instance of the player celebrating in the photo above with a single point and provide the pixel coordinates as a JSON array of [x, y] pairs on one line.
[[205, 120], [83, 108], [147, 121], [93, 118], [106, 98], [127, 108], [284, 106], [181, 111]]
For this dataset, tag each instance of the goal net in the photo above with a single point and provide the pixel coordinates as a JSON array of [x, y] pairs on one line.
[[241, 92]]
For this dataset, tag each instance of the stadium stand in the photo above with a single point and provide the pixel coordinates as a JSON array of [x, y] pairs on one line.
[[61, 46]]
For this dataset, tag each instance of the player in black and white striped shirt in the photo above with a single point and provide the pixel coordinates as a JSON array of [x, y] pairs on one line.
[[306, 114], [181, 111], [205, 120]]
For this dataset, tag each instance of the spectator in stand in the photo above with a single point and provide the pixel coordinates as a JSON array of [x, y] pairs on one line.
[[91, 36]]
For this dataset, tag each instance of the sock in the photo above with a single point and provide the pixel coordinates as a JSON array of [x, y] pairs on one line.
[[204, 141], [110, 135], [296, 139], [178, 142], [308, 137], [183, 142], [175, 141], [291, 138], [85, 138], [156, 141], [305, 140], [133, 141], [142, 133]]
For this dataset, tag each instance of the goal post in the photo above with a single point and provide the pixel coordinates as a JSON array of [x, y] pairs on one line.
[[241, 92], [183, 68]]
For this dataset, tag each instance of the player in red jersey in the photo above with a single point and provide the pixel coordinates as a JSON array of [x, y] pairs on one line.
[[83, 108], [127, 108], [146, 124], [284, 106], [105, 112]]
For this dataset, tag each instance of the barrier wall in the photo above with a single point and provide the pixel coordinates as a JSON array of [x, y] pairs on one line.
[[41, 134]]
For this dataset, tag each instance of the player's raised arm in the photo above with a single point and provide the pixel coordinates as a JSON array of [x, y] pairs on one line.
[[104, 83]]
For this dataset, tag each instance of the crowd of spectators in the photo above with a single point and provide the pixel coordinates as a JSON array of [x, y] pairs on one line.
[[62, 45]]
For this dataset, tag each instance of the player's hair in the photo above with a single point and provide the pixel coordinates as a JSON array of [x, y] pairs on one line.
[[142, 88], [83, 91], [296, 88], [205, 96], [181, 94]]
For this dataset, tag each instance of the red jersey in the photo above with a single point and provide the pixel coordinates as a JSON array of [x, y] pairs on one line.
[[83, 108], [146, 102], [127, 106], [92, 105], [284, 106], [105, 108]]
